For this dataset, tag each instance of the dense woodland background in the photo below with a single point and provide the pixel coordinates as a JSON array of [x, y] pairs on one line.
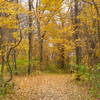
[[50, 36]]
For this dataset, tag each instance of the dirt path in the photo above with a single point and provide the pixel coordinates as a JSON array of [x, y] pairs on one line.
[[47, 87]]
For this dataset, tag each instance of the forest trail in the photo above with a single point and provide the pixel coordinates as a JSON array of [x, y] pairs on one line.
[[47, 87]]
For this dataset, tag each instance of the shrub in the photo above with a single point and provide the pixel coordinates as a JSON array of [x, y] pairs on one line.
[[53, 68], [95, 81]]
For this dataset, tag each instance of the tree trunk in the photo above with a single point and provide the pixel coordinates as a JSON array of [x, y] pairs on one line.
[[41, 56], [2, 51], [14, 59], [62, 58], [76, 21], [40, 44], [30, 38], [41, 50]]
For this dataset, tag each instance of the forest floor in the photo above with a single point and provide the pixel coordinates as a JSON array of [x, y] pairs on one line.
[[47, 87]]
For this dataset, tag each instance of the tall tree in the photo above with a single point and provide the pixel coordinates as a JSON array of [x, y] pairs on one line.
[[30, 37], [76, 36]]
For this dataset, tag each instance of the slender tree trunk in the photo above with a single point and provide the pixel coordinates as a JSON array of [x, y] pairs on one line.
[[41, 55], [30, 38], [40, 44], [14, 59], [76, 21], [98, 21], [2, 68], [2, 51], [41, 50], [62, 60]]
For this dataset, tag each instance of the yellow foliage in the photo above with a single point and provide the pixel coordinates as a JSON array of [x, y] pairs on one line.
[[9, 11]]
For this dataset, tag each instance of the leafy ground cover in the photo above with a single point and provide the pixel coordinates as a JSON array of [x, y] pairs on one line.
[[47, 87]]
